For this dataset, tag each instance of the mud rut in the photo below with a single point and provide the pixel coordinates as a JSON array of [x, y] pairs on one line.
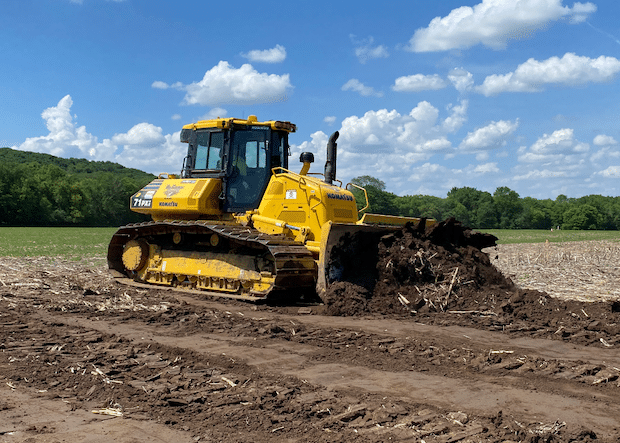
[[423, 352]]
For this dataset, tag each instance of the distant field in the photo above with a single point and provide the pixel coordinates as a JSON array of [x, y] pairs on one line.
[[68, 243], [509, 236]]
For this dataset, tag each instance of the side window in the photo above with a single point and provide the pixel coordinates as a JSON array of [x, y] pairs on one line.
[[215, 150], [201, 157], [255, 154], [251, 157], [262, 155], [208, 151]]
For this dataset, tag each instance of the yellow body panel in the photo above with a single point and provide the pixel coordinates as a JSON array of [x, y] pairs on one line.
[[304, 204], [166, 198], [226, 123]]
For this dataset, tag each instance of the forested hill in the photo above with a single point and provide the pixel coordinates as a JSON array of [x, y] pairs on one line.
[[43, 190], [78, 166]]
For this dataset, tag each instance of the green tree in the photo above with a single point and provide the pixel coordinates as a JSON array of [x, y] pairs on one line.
[[508, 206], [581, 217], [379, 201]]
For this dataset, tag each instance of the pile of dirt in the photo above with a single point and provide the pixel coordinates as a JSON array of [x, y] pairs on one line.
[[442, 269], [417, 267]]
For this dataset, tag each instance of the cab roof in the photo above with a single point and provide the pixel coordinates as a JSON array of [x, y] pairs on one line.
[[226, 123]]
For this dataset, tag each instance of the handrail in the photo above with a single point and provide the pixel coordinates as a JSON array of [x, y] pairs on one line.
[[365, 196]]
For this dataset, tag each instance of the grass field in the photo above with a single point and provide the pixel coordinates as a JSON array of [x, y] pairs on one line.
[[68, 243], [509, 236]]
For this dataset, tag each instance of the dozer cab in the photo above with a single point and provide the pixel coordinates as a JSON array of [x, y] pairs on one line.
[[238, 223]]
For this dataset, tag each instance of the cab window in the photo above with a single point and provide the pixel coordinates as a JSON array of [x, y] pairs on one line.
[[209, 151]]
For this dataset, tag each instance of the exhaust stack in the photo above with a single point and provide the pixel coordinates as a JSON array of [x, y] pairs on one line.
[[330, 164]]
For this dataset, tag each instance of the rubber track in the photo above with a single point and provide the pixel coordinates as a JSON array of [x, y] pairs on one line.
[[289, 255]]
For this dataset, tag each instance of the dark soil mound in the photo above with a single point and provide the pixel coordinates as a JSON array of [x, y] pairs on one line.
[[442, 268], [412, 268]]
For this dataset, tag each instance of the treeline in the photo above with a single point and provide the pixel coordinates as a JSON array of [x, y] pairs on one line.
[[43, 190], [504, 209]]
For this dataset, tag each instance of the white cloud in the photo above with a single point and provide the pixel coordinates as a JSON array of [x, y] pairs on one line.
[[610, 172], [418, 82], [224, 84], [215, 113], [366, 51], [457, 117], [461, 79], [604, 140], [141, 134], [488, 137], [65, 138], [487, 168], [554, 163], [603, 155], [386, 144], [157, 84], [357, 86], [143, 146], [162, 155], [571, 69], [273, 55], [493, 22], [538, 174], [330, 120], [560, 141], [176, 117]]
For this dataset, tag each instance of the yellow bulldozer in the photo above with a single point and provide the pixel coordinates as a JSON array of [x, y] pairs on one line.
[[238, 223]]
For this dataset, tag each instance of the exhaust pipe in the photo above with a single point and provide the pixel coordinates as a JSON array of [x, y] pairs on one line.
[[330, 164]]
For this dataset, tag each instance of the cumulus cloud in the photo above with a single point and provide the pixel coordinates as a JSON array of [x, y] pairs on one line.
[[489, 137], [602, 156], [461, 79], [330, 120], [418, 82], [610, 172], [273, 55], [386, 143], [224, 84], [215, 113], [554, 161], [365, 50], [435, 179], [604, 140], [157, 84], [493, 22], [143, 146], [357, 86], [571, 69]]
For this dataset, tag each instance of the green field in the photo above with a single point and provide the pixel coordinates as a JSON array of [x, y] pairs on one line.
[[507, 236], [68, 243]]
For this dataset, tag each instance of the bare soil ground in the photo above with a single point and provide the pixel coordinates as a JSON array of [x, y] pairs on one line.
[[441, 348]]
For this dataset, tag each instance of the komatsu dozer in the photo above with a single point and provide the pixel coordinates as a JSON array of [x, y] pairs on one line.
[[238, 223]]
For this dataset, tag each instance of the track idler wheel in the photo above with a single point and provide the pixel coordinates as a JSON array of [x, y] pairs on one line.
[[135, 254]]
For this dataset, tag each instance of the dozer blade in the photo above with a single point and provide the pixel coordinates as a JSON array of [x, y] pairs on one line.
[[349, 250]]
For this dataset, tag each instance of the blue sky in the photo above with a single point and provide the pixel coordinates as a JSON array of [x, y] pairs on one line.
[[427, 95]]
